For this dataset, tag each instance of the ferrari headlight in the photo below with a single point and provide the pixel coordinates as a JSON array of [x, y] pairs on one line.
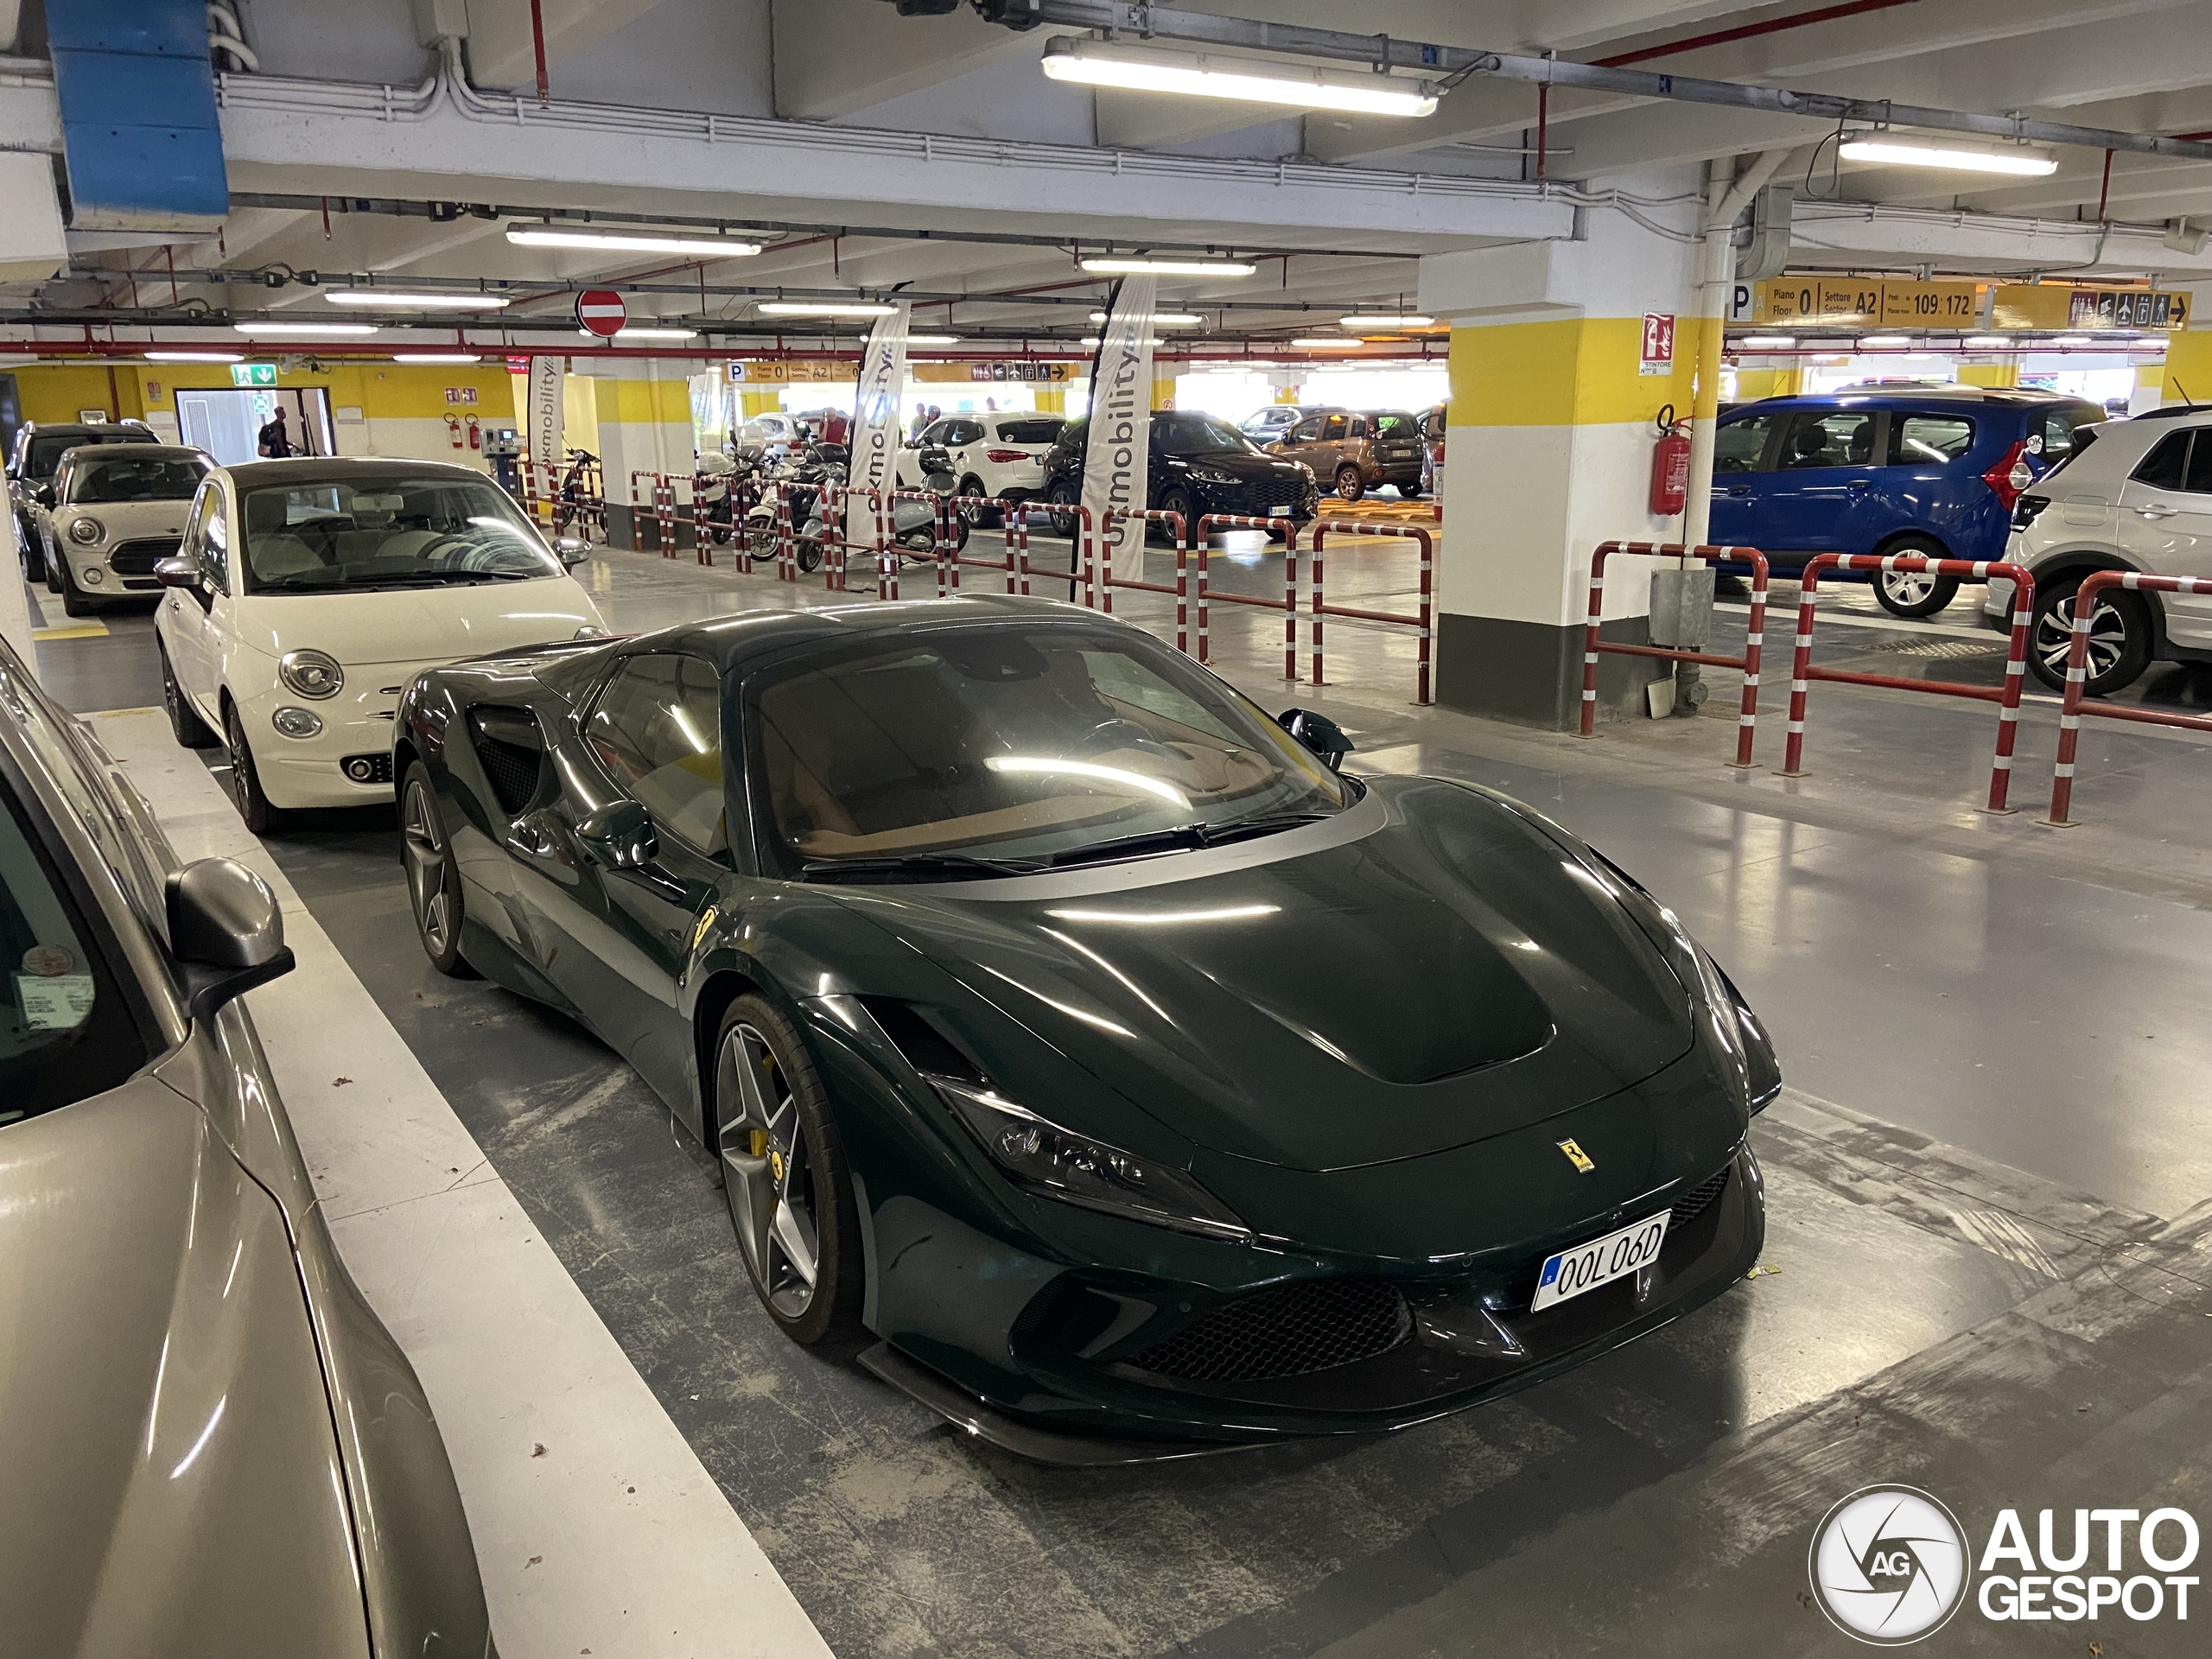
[[85, 529], [1076, 1169], [311, 673]]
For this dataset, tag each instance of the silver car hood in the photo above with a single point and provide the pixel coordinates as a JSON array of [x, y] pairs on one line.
[[174, 1479]]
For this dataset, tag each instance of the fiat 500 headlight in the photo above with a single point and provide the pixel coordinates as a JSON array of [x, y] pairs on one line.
[[311, 673], [1057, 1163], [86, 529]]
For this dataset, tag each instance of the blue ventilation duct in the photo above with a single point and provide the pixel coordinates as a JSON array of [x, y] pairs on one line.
[[142, 146]]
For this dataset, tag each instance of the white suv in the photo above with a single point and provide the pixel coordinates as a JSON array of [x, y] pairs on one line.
[[1001, 455], [2139, 498]]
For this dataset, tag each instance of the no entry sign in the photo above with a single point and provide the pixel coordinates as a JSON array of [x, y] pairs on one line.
[[600, 312]]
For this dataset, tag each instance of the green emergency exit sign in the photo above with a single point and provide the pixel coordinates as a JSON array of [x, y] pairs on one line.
[[253, 374]]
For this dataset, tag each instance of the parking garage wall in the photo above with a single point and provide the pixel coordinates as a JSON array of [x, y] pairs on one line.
[[376, 409]]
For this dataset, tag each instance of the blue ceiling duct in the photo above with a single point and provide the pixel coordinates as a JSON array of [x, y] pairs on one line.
[[141, 143]]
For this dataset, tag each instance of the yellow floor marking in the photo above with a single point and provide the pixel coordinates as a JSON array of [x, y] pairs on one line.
[[74, 630]]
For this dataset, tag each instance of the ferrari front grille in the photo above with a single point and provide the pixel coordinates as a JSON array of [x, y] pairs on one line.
[[1695, 1202], [1290, 1331]]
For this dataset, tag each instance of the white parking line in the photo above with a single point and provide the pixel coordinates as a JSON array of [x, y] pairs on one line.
[[597, 1529]]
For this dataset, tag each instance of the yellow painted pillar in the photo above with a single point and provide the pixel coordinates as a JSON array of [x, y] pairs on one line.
[[759, 402], [1993, 376], [1751, 385], [1051, 399], [1163, 392], [2188, 378], [1550, 441]]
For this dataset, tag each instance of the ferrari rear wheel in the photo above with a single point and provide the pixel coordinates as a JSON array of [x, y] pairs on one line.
[[791, 1199], [433, 879]]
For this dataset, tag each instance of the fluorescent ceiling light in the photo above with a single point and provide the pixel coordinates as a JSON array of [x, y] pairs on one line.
[[327, 330], [1128, 265], [195, 357], [1890, 151], [1250, 80], [1164, 319], [1092, 340], [1886, 340], [714, 247], [932, 340], [1378, 320], [2073, 340], [824, 309], [1757, 342], [438, 357], [646, 334], [1319, 342], [1989, 340], [417, 302], [2150, 343]]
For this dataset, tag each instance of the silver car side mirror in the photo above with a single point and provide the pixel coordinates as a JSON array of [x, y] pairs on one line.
[[178, 572], [573, 551], [226, 932]]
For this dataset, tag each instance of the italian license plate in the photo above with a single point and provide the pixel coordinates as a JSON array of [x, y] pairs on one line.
[[1278, 512], [1599, 1262]]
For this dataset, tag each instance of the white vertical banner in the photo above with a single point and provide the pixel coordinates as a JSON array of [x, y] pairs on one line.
[[545, 435], [874, 436], [1118, 454]]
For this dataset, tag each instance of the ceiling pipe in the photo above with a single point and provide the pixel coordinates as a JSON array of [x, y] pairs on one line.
[[1445, 62], [1242, 352], [1750, 31]]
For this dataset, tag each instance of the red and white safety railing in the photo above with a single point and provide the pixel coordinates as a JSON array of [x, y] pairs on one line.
[[1425, 618], [1213, 521], [2007, 698], [2077, 701], [1747, 664], [1179, 590]]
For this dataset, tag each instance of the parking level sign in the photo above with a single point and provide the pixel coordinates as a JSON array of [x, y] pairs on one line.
[[1657, 353]]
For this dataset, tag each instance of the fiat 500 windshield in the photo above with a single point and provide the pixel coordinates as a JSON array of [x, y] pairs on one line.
[[1002, 750], [387, 532]]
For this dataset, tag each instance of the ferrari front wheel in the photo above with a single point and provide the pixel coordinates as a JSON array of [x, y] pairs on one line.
[[791, 1197], [433, 879]]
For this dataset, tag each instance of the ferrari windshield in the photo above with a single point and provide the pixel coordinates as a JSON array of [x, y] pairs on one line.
[[1017, 742], [384, 532]]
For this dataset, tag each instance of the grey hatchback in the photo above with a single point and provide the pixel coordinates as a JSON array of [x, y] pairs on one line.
[[212, 1444]]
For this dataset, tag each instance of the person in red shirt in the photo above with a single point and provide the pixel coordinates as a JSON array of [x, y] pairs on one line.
[[834, 426]]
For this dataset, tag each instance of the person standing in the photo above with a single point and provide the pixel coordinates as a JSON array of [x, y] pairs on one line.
[[274, 442], [834, 425]]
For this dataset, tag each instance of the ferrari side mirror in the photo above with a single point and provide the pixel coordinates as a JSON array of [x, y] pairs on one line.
[[619, 835], [1318, 733]]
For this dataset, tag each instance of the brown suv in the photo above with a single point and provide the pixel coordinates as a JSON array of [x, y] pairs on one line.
[[1358, 450]]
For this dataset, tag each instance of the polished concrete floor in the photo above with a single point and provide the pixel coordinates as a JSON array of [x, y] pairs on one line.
[[1989, 1263]]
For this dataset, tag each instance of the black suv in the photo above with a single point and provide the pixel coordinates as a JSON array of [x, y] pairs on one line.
[[1200, 464], [40, 445]]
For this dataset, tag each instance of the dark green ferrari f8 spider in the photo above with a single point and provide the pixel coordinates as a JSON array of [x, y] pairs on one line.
[[1141, 1081]]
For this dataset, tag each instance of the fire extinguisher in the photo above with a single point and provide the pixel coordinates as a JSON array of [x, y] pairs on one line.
[[452, 426], [475, 434], [1670, 465]]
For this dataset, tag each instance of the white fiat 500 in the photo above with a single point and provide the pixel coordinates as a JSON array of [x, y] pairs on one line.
[[308, 593], [118, 510]]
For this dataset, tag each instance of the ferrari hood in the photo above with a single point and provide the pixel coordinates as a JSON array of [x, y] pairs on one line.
[[171, 1459], [1425, 972], [418, 625]]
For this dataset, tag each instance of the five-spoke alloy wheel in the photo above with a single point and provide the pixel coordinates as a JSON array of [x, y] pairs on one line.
[[790, 1200], [433, 880]]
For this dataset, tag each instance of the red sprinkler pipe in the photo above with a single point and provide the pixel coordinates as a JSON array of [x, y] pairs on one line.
[[1749, 31]]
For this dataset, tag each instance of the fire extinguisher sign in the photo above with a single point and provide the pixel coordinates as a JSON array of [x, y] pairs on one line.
[[1655, 353]]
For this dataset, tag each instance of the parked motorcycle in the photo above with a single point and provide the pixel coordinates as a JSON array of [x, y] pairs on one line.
[[714, 492], [914, 525], [576, 503]]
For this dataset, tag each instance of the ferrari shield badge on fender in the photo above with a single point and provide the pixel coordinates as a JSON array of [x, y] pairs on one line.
[[1576, 1156]]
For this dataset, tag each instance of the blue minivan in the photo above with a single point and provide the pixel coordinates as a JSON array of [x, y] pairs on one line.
[[1931, 470]]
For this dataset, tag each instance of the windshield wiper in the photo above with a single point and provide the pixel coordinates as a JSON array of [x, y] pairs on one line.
[[1183, 837], [914, 864]]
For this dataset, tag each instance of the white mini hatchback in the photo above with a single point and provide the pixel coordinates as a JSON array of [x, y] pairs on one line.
[[307, 594]]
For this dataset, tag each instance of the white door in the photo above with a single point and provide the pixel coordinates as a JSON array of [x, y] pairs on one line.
[[2165, 525], [195, 651]]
